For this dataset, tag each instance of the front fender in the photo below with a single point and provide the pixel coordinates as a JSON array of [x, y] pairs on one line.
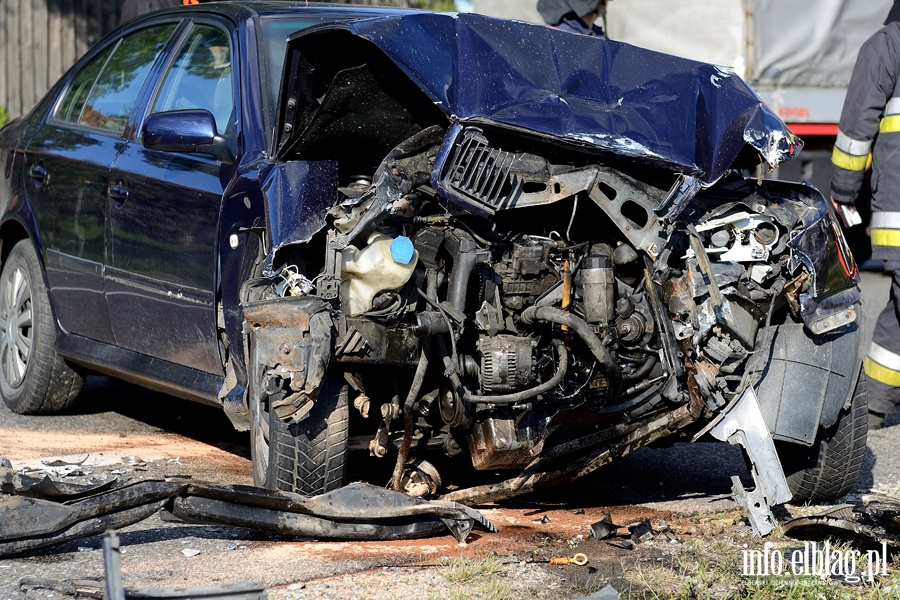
[[808, 380]]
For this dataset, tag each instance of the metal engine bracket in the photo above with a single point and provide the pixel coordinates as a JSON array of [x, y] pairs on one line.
[[743, 423]]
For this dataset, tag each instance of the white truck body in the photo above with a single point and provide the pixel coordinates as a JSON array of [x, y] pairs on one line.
[[797, 54]]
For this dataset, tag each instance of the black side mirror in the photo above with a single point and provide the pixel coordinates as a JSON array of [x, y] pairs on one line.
[[192, 130]]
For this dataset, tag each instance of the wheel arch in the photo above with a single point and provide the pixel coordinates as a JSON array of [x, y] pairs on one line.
[[11, 233], [13, 230]]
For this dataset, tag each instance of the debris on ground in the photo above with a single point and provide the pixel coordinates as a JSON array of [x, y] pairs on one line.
[[874, 519], [639, 532], [41, 513]]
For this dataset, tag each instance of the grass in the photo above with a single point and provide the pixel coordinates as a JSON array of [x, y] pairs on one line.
[[585, 586], [464, 570], [477, 579]]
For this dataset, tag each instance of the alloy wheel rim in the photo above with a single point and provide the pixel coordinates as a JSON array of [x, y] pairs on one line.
[[16, 329]]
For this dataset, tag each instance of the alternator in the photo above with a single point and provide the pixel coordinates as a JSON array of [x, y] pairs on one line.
[[506, 362]]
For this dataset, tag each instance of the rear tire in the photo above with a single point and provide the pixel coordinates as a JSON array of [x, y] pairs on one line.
[[828, 469], [34, 379], [308, 457]]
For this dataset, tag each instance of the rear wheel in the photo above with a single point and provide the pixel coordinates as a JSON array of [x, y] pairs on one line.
[[34, 379], [828, 469], [307, 457]]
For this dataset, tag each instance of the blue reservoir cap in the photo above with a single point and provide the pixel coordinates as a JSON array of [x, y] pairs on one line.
[[402, 250]]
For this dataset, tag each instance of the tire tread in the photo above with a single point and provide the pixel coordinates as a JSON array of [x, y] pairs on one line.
[[309, 457], [835, 461]]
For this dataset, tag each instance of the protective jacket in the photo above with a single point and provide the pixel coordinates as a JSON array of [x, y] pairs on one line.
[[870, 123]]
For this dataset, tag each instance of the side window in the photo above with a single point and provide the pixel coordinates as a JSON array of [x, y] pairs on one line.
[[73, 103], [200, 77], [115, 92]]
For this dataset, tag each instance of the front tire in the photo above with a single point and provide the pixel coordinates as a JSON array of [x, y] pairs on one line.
[[34, 379], [828, 469], [308, 457]]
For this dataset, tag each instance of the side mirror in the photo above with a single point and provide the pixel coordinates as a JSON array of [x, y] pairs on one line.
[[192, 130]]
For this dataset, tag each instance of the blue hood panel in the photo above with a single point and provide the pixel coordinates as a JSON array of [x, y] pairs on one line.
[[661, 110]]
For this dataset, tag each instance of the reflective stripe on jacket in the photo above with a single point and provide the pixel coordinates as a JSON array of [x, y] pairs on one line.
[[870, 123]]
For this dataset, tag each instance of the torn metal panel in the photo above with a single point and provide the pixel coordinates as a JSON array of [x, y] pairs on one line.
[[682, 115], [352, 511], [292, 340], [743, 423], [604, 528], [22, 485], [298, 195], [358, 511]]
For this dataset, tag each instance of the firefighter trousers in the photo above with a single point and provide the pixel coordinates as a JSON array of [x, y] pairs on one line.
[[882, 365]]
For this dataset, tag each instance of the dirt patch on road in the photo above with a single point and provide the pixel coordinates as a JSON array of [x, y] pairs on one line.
[[686, 550]]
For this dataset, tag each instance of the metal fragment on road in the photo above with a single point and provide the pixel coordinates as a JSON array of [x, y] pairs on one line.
[[355, 512], [604, 528], [742, 423], [24, 485], [874, 519], [75, 460]]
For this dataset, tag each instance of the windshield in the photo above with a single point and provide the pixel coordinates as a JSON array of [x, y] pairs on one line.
[[275, 33]]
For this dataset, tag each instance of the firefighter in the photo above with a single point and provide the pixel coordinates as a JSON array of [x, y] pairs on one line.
[[870, 125], [574, 16]]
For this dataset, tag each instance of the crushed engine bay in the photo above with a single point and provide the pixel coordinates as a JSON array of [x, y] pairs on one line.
[[525, 299]]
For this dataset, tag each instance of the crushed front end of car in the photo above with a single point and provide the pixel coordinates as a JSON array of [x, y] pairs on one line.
[[534, 252]]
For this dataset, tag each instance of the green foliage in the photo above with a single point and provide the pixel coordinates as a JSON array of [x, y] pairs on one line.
[[444, 5], [4, 115]]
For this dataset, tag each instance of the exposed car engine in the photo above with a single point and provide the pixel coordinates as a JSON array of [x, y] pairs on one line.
[[568, 305]]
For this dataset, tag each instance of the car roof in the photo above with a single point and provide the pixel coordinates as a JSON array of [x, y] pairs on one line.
[[274, 8]]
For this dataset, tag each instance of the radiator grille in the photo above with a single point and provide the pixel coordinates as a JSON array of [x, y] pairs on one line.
[[482, 173]]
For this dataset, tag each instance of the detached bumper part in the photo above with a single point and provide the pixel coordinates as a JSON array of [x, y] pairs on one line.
[[355, 512], [743, 423]]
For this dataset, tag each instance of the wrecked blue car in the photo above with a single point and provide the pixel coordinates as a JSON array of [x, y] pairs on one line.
[[421, 239]]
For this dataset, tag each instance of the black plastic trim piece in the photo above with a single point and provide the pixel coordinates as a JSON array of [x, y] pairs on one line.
[[146, 371]]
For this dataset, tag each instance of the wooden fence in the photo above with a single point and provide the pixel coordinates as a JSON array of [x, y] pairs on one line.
[[41, 39]]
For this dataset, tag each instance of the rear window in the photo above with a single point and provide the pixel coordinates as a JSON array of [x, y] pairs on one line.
[[104, 93]]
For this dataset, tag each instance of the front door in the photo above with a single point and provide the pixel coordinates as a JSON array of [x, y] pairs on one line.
[[161, 274]]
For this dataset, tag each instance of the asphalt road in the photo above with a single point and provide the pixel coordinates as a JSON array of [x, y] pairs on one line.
[[126, 432]]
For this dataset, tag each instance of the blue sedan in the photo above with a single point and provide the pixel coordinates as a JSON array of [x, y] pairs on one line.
[[458, 238]]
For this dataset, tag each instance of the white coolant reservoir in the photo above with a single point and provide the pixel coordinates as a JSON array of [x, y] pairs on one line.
[[385, 263]]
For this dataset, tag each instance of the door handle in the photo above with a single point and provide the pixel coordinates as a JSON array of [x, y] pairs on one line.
[[118, 191], [38, 172]]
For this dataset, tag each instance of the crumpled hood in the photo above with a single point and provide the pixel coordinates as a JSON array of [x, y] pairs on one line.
[[661, 110]]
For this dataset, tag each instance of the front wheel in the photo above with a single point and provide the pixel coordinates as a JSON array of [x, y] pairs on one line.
[[828, 469], [308, 457], [34, 379]]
